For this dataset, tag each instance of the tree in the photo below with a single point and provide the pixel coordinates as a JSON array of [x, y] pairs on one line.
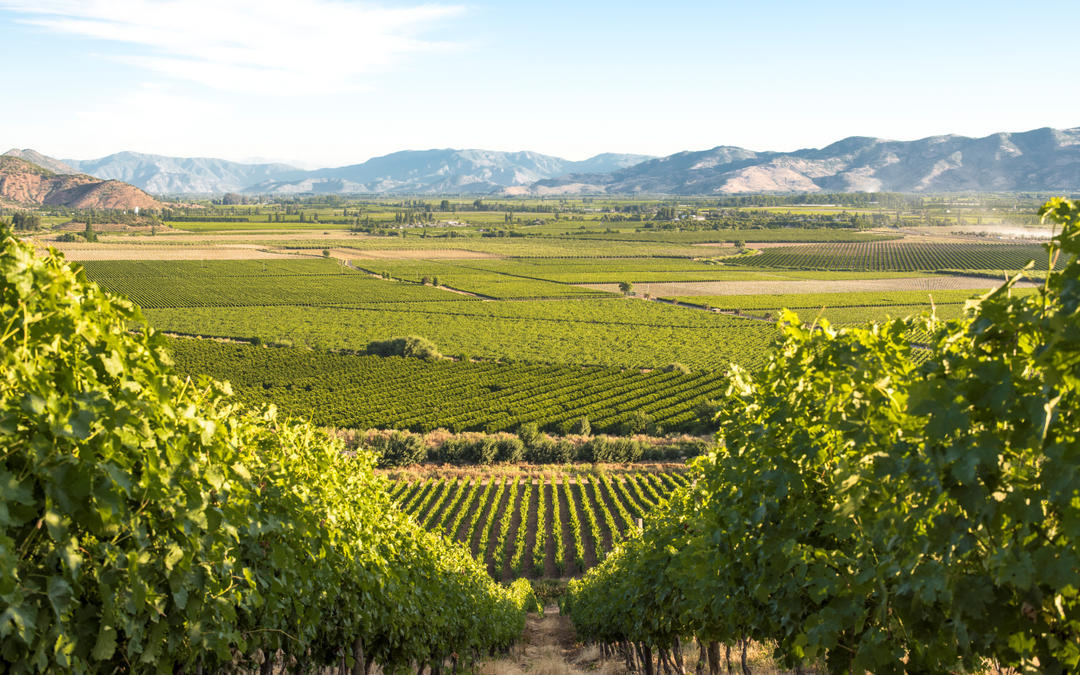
[[88, 233], [25, 221], [626, 287], [326, 253]]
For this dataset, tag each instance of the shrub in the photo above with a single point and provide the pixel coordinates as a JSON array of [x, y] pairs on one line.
[[400, 449], [676, 366], [529, 434], [511, 450], [412, 346], [564, 452], [487, 450]]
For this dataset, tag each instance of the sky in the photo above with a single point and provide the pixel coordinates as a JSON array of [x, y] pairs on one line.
[[336, 82]]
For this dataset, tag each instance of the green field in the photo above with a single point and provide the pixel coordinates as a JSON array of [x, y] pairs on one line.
[[905, 256], [854, 307], [624, 333], [247, 283], [372, 392]]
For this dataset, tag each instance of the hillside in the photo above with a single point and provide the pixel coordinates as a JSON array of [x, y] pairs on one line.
[[24, 182], [1039, 160]]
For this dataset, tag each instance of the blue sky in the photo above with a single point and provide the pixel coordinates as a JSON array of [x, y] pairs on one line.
[[334, 82]]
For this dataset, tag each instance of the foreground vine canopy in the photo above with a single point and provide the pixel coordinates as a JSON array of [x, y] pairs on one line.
[[876, 512], [150, 525]]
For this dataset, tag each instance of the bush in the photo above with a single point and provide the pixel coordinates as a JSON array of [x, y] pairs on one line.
[[676, 366], [412, 346], [454, 451], [564, 452], [486, 451], [400, 449], [529, 434], [511, 450]]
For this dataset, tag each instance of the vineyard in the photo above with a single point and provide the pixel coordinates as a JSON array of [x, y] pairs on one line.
[[621, 333], [904, 256], [362, 392], [465, 277], [840, 308], [523, 527], [250, 283]]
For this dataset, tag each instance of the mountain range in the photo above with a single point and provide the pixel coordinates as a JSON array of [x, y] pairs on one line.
[[1040, 160], [431, 171]]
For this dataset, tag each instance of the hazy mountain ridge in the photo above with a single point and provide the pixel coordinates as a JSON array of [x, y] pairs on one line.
[[407, 171], [180, 175], [444, 171], [1039, 160]]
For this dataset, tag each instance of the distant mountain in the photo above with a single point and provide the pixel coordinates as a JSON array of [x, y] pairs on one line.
[[1040, 160], [443, 171], [35, 157], [431, 171], [179, 175], [25, 183]]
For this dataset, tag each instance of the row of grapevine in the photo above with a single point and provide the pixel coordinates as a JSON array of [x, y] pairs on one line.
[[577, 550], [149, 526], [451, 489], [473, 492], [870, 513], [517, 561], [499, 554], [490, 522], [539, 552], [586, 505]]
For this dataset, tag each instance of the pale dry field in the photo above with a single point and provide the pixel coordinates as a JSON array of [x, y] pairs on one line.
[[809, 286], [430, 254], [81, 252]]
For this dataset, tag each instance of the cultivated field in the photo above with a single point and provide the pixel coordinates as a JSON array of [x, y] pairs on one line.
[[536, 527]]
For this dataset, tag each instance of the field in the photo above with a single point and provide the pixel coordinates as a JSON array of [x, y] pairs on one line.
[[550, 526], [694, 291], [254, 284], [372, 392], [905, 256], [621, 333], [538, 327]]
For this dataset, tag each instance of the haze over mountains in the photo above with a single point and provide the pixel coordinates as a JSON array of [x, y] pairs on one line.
[[1040, 160], [430, 171]]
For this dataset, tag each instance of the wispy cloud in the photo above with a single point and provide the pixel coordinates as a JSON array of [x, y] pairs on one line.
[[270, 46]]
